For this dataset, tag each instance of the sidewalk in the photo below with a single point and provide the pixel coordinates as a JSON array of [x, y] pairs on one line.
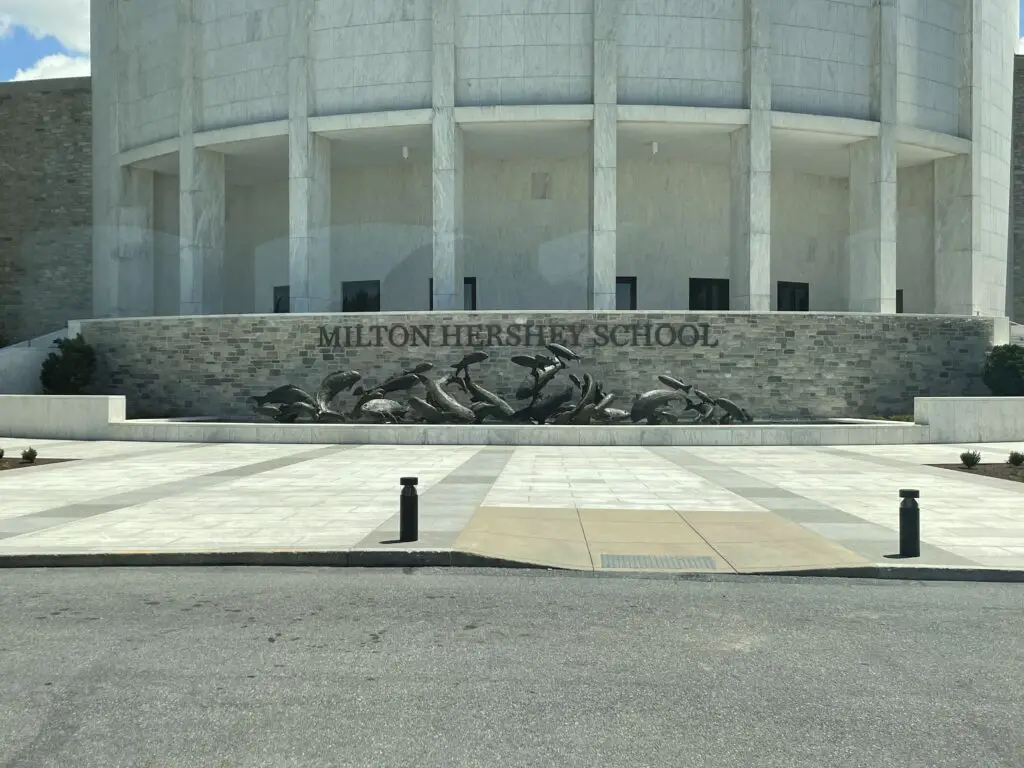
[[699, 509]]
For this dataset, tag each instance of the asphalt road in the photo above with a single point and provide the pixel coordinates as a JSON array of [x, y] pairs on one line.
[[319, 667]]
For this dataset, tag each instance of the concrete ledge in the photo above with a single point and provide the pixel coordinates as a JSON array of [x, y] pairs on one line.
[[949, 420], [971, 419], [61, 417]]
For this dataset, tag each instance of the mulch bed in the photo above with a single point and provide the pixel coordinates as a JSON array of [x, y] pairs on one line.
[[1002, 471], [16, 463]]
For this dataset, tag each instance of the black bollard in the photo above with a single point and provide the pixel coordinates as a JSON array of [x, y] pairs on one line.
[[409, 511], [910, 523]]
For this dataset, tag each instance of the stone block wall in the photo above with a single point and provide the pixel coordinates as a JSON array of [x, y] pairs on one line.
[[779, 366], [1015, 278], [45, 206]]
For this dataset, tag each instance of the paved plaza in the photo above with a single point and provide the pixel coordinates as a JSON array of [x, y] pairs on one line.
[[750, 509]]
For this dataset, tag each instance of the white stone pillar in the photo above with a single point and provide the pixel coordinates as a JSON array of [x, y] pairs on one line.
[[202, 229], [201, 188], [309, 178], [448, 161], [133, 278], [873, 163], [604, 157], [958, 253], [750, 173]]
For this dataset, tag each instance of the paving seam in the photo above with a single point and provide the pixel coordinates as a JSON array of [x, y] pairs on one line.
[[493, 459], [720, 475], [70, 513]]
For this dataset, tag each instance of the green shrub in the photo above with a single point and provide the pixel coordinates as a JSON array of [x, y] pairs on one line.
[[1016, 458], [970, 459], [1004, 371], [29, 455], [70, 369]]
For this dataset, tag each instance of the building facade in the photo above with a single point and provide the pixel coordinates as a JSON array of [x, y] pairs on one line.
[[45, 206], [406, 155]]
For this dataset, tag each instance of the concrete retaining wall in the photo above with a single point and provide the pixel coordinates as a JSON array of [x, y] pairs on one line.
[[61, 417], [941, 420], [795, 365], [971, 419]]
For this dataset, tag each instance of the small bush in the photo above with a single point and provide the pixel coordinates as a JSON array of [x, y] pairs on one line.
[[29, 455], [70, 369], [970, 459], [1, 453], [1016, 458], [1004, 371]]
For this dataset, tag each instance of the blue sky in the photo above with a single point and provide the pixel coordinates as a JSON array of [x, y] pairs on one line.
[[43, 38], [50, 38]]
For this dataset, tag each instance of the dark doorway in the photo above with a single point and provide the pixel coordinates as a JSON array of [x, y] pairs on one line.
[[360, 296], [625, 293], [709, 294], [794, 297], [282, 299]]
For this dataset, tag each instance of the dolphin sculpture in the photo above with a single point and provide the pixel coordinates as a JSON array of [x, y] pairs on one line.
[[471, 359], [333, 385], [563, 353], [383, 409], [486, 396], [425, 410], [673, 383], [445, 402], [646, 404], [399, 383], [300, 409], [285, 395]]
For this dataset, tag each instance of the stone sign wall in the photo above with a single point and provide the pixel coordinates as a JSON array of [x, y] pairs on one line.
[[778, 365]]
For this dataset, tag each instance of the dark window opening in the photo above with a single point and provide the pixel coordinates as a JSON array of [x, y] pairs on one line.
[[899, 301], [625, 293], [794, 297], [282, 298], [709, 294], [468, 293], [360, 296]]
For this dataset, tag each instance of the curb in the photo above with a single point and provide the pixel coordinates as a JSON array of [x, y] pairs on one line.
[[445, 558], [909, 573], [359, 558]]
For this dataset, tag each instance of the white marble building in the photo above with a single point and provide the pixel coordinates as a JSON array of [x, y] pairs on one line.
[[321, 155]]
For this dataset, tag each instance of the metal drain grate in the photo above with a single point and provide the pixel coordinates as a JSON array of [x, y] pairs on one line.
[[665, 562]]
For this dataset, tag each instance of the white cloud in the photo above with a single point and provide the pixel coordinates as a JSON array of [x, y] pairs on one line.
[[65, 20], [57, 65]]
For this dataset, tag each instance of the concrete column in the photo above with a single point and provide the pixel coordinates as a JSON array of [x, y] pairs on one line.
[[604, 156], [750, 172], [873, 163], [201, 187], [202, 230], [309, 178], [958, 254], [105, 150], [133, 279], [448, 161]]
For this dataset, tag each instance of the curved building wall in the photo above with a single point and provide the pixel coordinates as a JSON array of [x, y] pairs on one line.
[[545, 148]]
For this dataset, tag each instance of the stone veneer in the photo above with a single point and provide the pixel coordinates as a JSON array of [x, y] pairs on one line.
[[780, 365], [45, 205], [1015, 276]]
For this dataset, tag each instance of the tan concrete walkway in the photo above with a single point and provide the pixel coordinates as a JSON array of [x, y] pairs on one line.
[[619, 508]]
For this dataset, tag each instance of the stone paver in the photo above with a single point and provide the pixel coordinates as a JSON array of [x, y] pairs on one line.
[[660, 508]]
